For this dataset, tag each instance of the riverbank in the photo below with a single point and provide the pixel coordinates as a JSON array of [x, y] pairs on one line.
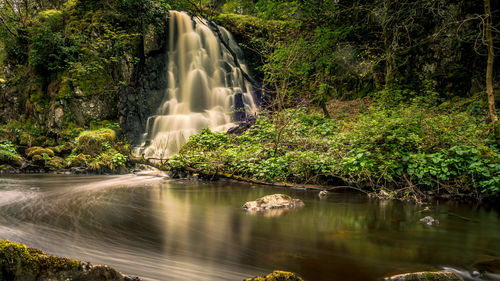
[[411, 151]]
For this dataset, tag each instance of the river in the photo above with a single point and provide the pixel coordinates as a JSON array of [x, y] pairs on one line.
[[191, 230]]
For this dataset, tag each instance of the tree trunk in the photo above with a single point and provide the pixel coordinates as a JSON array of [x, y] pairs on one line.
[[491, 58]]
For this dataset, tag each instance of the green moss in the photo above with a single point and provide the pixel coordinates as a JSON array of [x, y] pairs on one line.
[[55, 163], [18, 262], [95, 142], [278, 275], [80, 160], [65, 90], [37, 150], [66, 148]]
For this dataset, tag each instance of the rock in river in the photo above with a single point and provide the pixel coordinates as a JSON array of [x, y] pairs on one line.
[[274, 201], [427, 276], [323, 194], [430, 220]]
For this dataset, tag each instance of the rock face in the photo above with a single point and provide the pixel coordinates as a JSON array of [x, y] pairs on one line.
[[429, 220], [18, 262], [426, 276], [274, 201], [277, 275]]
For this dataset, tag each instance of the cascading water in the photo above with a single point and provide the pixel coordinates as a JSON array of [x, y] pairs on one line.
[[206, 86]]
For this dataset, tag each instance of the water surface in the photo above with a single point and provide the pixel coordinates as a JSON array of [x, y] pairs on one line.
[[188, 230]]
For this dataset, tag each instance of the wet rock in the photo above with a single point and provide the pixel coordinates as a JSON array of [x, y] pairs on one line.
[[19, 262], [277, 275], [243, 126], [323, 194], [426, 276], [274, 201], [429, 220], [487, 264]]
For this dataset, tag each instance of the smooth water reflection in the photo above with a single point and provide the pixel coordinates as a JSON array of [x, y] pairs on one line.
[[174, 230]]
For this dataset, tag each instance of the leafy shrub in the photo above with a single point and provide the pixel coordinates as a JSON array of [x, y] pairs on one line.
[[381, 147], [9, 154]]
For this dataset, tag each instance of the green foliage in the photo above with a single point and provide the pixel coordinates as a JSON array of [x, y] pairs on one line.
[[378, 148], [9, 154], [119, 160]]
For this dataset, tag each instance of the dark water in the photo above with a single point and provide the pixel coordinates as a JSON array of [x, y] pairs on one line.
[[172, 230]]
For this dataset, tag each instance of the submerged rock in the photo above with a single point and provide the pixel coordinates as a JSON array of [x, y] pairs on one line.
[[426, 276], [19, 262], [277, 275], [272, 202], [429, 220]]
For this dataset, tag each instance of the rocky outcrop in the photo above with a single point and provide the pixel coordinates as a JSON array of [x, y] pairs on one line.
[[277, 275], [19, 262], [272, 202], [426, 276]]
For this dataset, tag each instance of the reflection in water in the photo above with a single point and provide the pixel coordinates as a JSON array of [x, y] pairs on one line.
[[172, 230]]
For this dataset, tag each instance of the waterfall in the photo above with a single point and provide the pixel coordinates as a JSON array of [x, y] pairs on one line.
[[206, 86]]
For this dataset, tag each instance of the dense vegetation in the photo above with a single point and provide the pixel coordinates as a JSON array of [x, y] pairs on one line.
[[376, 94]]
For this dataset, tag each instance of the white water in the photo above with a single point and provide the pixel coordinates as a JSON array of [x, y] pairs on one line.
[[204, 85]]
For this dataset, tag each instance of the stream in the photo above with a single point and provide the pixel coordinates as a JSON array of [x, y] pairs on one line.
[[161, 229]]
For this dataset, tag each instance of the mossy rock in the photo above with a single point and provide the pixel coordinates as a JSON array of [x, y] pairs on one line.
[[55, 149], [26, 139], [65, 149], [94, 142], [427, 276], [37, 150], [43, 141], [19, 262], [81, 160], [55, 163], [277, 275], [11, 159], [38, 160]]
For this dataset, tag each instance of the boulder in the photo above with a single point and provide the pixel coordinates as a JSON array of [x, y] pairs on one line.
[[323, 194], [277, 275], [274, 201], [444, 275], [487, 264], [429, 220], [19, 262]]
